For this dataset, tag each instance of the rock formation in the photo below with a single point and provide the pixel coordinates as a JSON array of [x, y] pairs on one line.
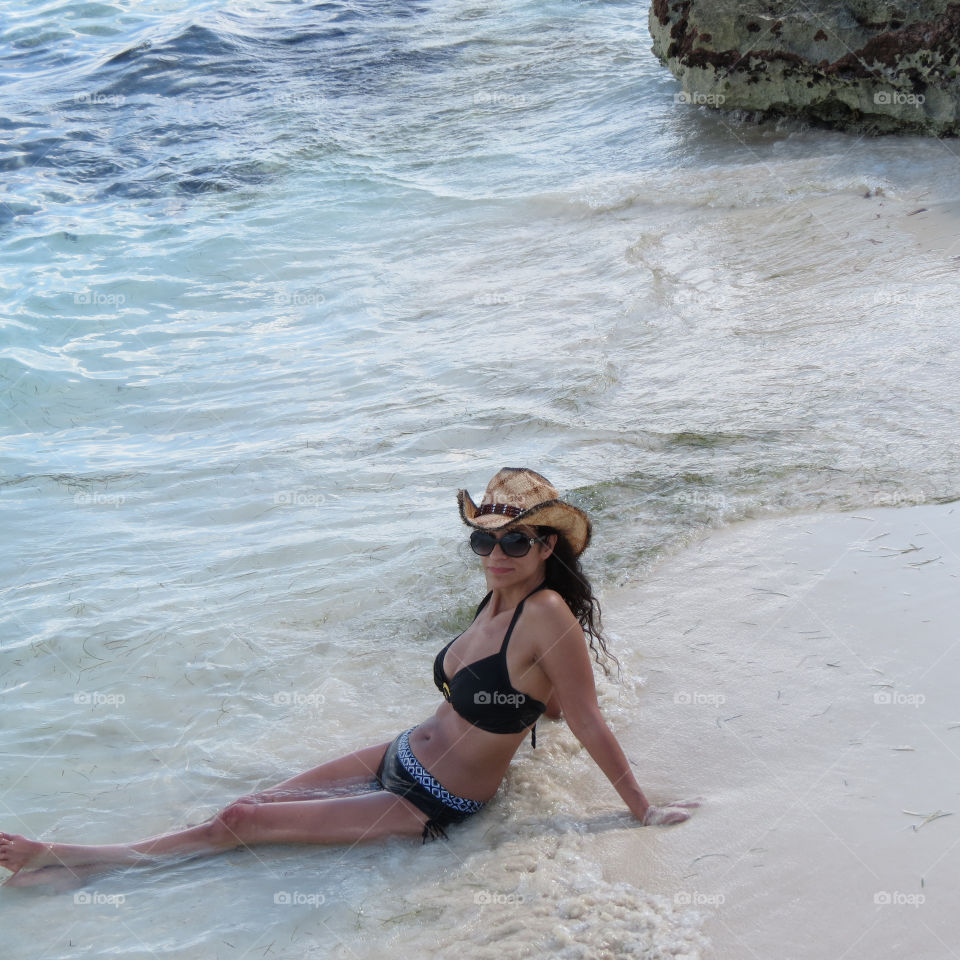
[[868, 65]]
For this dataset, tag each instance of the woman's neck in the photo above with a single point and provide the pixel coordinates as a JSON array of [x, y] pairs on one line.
[[508, 596]]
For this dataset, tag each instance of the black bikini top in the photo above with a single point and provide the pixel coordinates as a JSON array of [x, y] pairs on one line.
[[481, 691]]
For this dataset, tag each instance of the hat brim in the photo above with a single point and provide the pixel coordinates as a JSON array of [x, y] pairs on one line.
[[572, 522]]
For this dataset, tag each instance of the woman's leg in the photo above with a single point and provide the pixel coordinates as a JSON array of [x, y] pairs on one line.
[[370, 816], [351, 771], [17, 852]]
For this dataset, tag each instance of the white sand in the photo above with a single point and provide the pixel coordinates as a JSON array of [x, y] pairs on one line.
[[934, 225], [787, 662]]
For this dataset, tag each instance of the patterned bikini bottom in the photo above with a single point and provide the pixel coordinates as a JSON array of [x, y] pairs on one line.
[[401, 773]]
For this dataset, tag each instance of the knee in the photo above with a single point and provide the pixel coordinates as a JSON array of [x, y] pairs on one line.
[[234, 824]]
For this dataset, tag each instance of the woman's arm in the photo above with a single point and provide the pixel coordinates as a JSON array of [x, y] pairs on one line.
[[553, 710], [592, 731], [564, 658]]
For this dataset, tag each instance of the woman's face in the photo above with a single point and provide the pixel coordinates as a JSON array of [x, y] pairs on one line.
[[502, 570]]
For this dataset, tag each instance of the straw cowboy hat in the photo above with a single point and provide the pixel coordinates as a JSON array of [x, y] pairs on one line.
[[517, 495]]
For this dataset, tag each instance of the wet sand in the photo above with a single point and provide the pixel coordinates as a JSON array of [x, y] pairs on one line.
[[801, 675]]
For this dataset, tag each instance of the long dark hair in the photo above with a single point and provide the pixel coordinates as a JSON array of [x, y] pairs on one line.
[[566, 576]]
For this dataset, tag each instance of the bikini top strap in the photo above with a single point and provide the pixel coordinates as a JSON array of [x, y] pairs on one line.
[[483, 603], [516, 616]]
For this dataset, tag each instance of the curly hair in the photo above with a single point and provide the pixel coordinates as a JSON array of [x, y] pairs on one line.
[[565, 575]]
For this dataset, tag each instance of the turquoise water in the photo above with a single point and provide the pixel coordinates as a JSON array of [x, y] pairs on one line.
[[279, 278]]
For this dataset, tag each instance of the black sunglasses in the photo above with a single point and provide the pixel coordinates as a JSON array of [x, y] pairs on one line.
[[513, 544]]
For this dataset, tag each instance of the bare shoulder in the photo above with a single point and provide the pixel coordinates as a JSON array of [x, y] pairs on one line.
[[549, 602], [560, 647], [553, 616]]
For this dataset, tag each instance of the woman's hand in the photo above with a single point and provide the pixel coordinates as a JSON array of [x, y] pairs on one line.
[[676, 811]]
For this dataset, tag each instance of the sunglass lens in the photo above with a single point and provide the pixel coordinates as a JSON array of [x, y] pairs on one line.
[[515, 544], [482, 543]]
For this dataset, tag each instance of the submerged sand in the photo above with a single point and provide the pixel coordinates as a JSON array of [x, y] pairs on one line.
[[801, 674]]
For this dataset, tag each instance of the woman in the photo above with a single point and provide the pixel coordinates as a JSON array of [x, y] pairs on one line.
[[524, 654]]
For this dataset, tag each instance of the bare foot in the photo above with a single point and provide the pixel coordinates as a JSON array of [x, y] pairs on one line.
[[54, 879], [17, 852]]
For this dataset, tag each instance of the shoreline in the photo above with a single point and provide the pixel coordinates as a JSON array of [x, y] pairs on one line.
[[800, 675]]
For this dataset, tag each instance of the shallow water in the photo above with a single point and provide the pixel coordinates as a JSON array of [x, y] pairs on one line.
[[278, 279]]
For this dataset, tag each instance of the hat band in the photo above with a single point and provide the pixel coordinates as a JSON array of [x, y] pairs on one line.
[[505, 508]]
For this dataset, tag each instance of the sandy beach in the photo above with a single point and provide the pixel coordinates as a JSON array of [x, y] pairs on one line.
[[800, 674], [934, 226]]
